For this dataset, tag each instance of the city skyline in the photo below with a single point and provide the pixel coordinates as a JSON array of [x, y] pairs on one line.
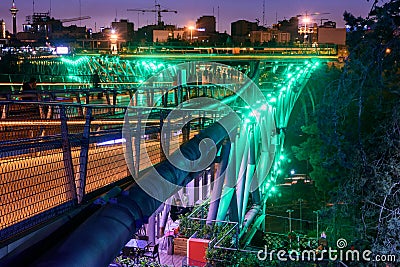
[[188, 11]]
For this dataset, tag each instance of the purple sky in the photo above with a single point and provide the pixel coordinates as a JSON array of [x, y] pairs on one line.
[[103, 12]]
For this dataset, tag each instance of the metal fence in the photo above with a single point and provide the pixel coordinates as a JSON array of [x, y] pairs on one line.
[[50, 164]]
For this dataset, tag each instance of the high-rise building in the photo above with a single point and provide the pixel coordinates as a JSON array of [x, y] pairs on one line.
[[14, 11], [124, 29], [240, 30], [206, 24], [2, 29]]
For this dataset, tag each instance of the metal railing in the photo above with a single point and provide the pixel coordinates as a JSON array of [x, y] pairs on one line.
[[50, 164]]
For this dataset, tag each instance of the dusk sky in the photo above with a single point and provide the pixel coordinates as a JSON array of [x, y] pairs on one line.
[[103, 12]]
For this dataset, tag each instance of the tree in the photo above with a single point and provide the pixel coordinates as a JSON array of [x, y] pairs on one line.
[[357, 136]]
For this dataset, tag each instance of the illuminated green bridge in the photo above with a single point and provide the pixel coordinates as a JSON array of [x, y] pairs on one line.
[[139, 125]]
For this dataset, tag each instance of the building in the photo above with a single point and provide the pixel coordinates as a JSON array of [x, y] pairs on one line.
[[328, 24], [14, 11], [260, 37], [290, 26], [206, 24], [162, 36], [2, 29], [146, 33], [240, 30], [40, 28], [332, 36], [124, 29], [271, 35], [308, 33], [68, 33]]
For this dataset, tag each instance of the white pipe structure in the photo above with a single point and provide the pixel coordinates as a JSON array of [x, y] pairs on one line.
[[242, 179], [229, 189], [250, 171], [218, 182], [249, 218]]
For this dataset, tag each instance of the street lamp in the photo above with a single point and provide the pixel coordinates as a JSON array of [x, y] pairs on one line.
[[290, 220], [290, 225], [317, 212], [301, 217], [191, 28], [114, 42]]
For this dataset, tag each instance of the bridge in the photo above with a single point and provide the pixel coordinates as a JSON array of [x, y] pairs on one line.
[[78, 161]]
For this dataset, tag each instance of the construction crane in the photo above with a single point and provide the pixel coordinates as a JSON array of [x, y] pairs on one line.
[[74, 19], [322, 20], [157, 10]]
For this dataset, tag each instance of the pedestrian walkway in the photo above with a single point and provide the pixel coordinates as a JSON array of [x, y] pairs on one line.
[[172, 260]]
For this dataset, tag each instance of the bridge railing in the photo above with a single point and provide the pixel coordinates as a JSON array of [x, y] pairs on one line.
[[43, 160]]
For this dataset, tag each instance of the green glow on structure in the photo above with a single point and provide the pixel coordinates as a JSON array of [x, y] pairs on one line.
[[79, 61], [282, 157]]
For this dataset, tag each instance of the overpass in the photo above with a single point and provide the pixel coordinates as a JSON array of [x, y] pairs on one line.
[[62, 156]]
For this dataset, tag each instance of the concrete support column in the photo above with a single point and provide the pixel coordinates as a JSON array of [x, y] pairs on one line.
[[136, 99], [205, 185], [148, 96], [191, 192], [164, 217], [137, 145], [158, 234], [196, 189], [151, 229]]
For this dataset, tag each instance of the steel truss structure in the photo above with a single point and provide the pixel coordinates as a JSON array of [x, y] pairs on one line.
[[65, 154]]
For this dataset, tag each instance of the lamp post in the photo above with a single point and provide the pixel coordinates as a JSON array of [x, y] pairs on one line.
[[290, 226], [114, 42], [317, 212], [191, 28], [290, 220], [301, 217]]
